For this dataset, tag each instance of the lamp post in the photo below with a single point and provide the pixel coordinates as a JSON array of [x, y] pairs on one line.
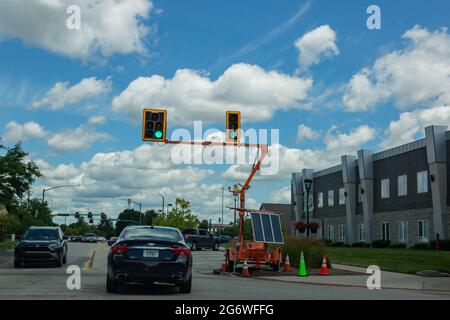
[[168, 205], [162, 202], [56, 187], [308, 183]]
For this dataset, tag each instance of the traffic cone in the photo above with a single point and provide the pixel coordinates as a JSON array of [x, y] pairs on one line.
[[245, 272], [287, 264], [302, 270], [223, 267], [324, 269]]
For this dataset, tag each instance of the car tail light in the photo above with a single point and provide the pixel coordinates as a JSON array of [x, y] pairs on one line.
[[181, 251], [119, 249]]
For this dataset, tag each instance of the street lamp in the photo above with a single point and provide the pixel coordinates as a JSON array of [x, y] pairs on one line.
[[168, 205], [308, 183], [57, 187], [162, 202]]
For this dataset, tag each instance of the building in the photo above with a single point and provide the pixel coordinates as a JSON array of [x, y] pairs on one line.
[[284, 211], [400, 194]]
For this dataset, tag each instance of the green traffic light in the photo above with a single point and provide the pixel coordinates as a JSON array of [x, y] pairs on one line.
[[158, 134]]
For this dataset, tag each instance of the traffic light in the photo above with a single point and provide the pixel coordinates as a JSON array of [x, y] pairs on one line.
[[91, 220], [77, 215], [154, 125], [233, 126], [103, 216]]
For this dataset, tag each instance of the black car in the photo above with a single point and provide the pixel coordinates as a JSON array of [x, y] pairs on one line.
[[41, 244], [150, 255], [201, 238]]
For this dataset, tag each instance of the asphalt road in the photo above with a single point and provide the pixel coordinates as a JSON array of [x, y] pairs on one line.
[[46, 282]]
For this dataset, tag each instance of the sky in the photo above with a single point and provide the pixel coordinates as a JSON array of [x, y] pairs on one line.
[[312, 70]]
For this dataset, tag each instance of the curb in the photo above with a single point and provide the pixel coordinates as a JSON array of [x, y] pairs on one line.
[[88, 264], [351, 286]]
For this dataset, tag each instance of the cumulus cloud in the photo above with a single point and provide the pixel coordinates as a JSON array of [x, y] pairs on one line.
[[417, 75], [305, 132], [62, 94], [97, 120], [79, 139], [189, 95], [281, 196], [30, 130], [316, 45], [108, 27]]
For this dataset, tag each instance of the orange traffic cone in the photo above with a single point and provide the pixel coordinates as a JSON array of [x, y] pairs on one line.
[[223, 267], [324, 269], [245, 272], [287, 264]]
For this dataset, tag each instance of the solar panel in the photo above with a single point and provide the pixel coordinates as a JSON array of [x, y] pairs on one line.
[[266, 228]]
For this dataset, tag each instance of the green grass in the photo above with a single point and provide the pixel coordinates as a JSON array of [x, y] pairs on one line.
[[395, 260], [7, 245]]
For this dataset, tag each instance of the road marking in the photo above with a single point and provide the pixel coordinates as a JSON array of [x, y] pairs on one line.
[[88, 263]]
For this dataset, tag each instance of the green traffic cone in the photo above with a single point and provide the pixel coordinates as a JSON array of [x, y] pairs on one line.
[[302, 270]]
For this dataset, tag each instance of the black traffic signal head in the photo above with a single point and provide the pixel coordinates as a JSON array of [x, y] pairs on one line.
[[154, 125], [77, 215], [91, 220], [103, 216], [233, 126], [90, 215]]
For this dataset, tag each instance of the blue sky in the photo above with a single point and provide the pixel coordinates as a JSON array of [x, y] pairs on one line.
[[209, 37]]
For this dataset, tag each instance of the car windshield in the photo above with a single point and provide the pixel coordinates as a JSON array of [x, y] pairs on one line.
[[41, 234], [152, 233]]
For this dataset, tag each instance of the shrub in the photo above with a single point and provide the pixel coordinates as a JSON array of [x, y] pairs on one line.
[[398, 246], [336, 244], [381, 243], [421, 246], [360, 245], [444, 245], [313, 252]]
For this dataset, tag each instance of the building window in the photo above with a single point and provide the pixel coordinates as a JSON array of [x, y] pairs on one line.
[[341, 196], [423, 230], [359, 193], [320, 200], [331, 198], [422, 182], [330, 232], [402, 185], [361, 232], [385, 231], [341, 233], [384, 188], [403, 231]]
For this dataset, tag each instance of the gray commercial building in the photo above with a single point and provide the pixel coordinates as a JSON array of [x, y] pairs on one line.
[[400, 194]]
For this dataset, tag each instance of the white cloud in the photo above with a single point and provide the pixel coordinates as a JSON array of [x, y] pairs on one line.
[[61, 94], [108, 27], [305, 132], [22, 132], [315, 45], [281, 196], [190, 95], [417, 75], [410, 125], [70, 140], [97, 120]]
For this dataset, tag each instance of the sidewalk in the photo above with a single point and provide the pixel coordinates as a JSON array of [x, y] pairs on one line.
[[389, 280]]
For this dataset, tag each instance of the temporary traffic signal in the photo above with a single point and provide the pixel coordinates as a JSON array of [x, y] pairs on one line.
[[154, 125], [233, 126]]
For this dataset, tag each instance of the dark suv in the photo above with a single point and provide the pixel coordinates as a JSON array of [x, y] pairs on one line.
[[200, 238], [41, 244]]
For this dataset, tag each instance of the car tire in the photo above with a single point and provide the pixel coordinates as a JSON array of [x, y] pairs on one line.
[[65, 259], [215, 247], [194, 246], [17, 264], [111, 285], [59, 262], [186, 287]]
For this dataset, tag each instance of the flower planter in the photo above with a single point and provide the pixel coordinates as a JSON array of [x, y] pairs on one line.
[[302, 230], [313, 230]]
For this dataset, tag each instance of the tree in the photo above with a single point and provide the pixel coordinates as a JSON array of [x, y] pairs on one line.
[[181, 217], [204, 224], [128, 217], [106, 228], [9, 224], [149, 217], [16, 174]]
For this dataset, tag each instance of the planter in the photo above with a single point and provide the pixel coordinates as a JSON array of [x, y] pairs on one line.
[[302, 230], [313, 230]]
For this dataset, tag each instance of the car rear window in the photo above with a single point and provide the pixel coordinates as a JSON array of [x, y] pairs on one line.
[[152, 233]]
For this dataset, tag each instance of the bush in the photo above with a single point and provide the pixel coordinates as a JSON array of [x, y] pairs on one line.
[[381, 243], [7, 245], [444, 245], [421, 246], [360, 245], [398, 246], [313, 252], [336, 244]]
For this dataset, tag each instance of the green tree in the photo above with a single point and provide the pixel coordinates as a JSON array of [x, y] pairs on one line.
[[16, 174], [9, 224], [181, 217], [126, 219], [106, 229], [204, 224], [149, 217]]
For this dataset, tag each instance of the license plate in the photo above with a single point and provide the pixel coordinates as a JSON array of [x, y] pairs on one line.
[[150, 254]]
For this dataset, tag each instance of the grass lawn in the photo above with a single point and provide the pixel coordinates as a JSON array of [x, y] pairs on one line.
[[7, 245], [396, 260]]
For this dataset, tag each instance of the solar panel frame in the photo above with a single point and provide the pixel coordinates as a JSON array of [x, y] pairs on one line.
[[263, 229]]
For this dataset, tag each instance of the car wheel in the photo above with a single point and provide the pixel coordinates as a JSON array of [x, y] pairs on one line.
[[59, 262], [17, 264], [65, 259], [194, 246], [111, 285], [186, 287], [216, 247]]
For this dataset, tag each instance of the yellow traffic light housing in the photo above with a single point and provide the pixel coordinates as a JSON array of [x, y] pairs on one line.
[[154, 125], [233, 126]]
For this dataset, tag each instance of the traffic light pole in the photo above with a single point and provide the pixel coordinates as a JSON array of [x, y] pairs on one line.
[[264, 150]]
